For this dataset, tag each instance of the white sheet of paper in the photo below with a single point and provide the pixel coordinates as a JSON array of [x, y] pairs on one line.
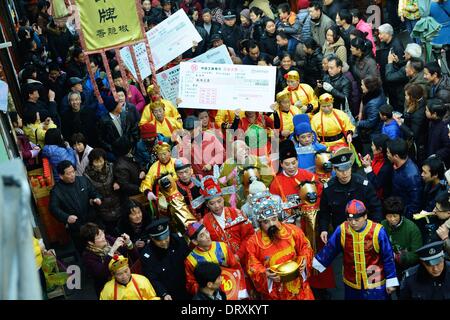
[[141, 58], [3, 96], [171, 38], [169, 79], [226, 87]]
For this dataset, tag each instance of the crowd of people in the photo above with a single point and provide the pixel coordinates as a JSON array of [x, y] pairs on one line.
[[161, 201]]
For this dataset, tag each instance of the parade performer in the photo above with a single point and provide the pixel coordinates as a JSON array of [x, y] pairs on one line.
[[125, 285], [302, 96], [277, 246], [332, 126], [368, 264]]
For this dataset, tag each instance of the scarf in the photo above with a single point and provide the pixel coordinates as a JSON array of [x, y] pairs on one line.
[[100, 177], [102, 253], [377, 163]]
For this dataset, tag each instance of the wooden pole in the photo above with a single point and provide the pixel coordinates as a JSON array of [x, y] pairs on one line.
[[108, 73], [122, 72], [147, 45]]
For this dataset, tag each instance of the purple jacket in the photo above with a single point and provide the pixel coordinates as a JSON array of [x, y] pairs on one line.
[[97, 267]]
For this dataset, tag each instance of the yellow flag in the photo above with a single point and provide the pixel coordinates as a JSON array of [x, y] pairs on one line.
[[109, 23]]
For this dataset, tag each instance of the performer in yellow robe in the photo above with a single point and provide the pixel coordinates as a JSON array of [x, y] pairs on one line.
[[164, 125], [226, 116], [332, 126], [125, 285], [301, 94], [170, 109], [283, 114], [165, 164]]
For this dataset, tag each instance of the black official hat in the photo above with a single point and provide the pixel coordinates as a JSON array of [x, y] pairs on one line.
[[216, 36], [432, 253], [343, 159], [158, 229], [287, 150], [229, 14], [75, 80]]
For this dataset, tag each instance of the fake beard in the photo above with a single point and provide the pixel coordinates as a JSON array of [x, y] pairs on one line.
[[272, 232]]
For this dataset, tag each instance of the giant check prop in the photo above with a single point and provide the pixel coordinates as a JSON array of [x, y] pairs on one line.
[[227, 87], [169, 79], [171, 38]]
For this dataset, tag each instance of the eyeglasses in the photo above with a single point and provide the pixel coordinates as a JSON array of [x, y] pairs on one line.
[[441, 211]]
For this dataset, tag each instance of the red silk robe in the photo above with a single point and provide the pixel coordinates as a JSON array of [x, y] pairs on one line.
[[262, 253], [236, 233], [289, 186]]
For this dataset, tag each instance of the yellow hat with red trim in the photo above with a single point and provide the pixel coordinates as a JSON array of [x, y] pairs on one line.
[[292, 75], [117, 262], [326, 99]]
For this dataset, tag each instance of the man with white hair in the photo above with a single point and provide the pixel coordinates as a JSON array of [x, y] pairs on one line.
[[412, 71], [390, 44]]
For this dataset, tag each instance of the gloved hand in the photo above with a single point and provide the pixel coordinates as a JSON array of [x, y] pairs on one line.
[[298, 104], [151, 196], [327, 87]]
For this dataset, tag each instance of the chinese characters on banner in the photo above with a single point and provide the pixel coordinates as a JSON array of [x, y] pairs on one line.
[[169, 79], [171, 38], [226, 87], [109, 23]]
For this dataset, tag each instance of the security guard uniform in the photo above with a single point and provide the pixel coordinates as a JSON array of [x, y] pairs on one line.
[[165, 267], [336, 195], [419, 284]]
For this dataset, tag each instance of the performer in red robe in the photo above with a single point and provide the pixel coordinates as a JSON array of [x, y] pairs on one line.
[[287, 185], [275, 244]]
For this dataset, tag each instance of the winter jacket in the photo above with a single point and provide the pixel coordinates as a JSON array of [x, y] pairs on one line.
[[80, 122], [414, 129], [438, 141], [305, 24], [364, 67], [392, 130], [26, 150], [292, 27], [45, 110], [35, 132], [332, 9], [83, 163], [136, 98], [382, 181], [68, 199], [312, 68], [126, 174], [97, 266], [443, 84], [231, 36], [370, 123], [407, 184], [143, 156], [355, 96], [429, 195], [257, 30], [269, 44], [319, 28], [394, 91], [395, 75], [337, 48], [367, 28], [56, 154], [441, 16], [405, 239], [342, 89], [110, 209], [108, 134]]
